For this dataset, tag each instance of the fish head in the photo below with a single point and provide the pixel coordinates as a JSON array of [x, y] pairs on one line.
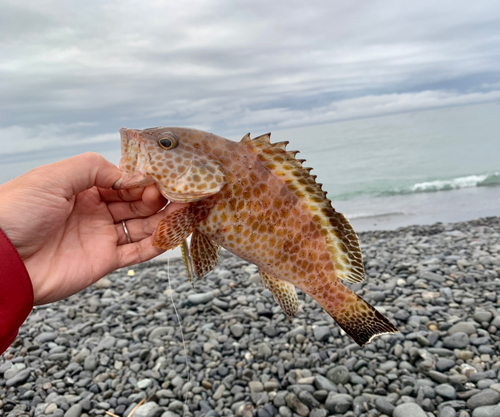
[[177, 160]]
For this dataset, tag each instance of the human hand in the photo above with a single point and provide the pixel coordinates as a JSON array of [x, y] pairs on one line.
[[65, 221]]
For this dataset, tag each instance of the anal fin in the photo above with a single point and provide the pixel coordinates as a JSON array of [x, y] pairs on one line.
[[204, 254], [284, 293], [175, 228]]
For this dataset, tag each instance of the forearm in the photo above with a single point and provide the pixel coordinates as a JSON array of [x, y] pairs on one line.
[[16, 292]]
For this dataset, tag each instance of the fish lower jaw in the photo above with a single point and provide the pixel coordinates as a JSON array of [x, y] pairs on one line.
[[184, 198]]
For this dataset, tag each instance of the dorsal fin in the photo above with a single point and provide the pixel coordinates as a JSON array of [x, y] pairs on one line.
[[341, 239], [246, 138]]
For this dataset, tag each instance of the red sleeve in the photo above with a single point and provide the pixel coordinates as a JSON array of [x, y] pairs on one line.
[[16, 292]]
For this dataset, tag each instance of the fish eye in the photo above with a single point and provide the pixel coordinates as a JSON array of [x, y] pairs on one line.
[[168, 142]]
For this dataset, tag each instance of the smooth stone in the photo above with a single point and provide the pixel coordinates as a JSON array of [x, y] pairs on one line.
[[446, 391], [447, 411], [338, 375], [458, 340], [318, 412], [299, 330], [323, 383], [387, 366], [103, 283], [438, 376], [46, 337], [90, 363], [255, 386], [485, 383], [462, 327], [482, 316], [219, 392], [74, 411], [485, 397], [148, 409], [158, 332], [264, 351], [444, 364], [237, 330], [50, 408], [201, 298], [487, 411], [170, 414], [409, 410], [293, 402], [322, 333], [10, 373], [144, 383], [19, 378], [384, 406], [402, 315], [338, 403], [431, 276]]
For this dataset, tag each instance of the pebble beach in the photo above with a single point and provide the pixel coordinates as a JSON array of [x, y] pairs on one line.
[[120, 343]]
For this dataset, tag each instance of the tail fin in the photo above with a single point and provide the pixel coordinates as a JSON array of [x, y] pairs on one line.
[[359, 319]]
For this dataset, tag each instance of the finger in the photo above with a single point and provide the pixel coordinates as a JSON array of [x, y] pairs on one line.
[[138, 252], [133, 210], [131, 194], [81, 173], [152, 202], [152, 196], [139, 229]]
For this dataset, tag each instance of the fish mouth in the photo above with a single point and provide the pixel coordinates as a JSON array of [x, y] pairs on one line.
[[134, 161]]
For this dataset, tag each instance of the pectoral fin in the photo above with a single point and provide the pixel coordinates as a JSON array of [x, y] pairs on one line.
[[204, 254], [175, 228], [284, 293]]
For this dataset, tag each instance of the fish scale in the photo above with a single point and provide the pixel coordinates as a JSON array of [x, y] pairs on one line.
[[256, 200]]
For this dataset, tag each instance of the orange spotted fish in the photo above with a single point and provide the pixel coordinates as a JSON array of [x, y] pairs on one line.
[[255, 199]]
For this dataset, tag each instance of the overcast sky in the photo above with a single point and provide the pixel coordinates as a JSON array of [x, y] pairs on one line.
[[72, 73]]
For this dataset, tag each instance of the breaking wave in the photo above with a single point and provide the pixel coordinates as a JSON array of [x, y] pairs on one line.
[[450, 184]]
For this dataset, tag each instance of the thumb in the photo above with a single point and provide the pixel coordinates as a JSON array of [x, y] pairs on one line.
[[83, 172]]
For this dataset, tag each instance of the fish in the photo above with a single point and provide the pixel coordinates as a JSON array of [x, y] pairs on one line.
[[255, 199]]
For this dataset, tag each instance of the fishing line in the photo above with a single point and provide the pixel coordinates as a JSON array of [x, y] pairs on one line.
[[182, 333]]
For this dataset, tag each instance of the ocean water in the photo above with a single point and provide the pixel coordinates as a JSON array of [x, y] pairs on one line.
[[412, 168], [382, 172]]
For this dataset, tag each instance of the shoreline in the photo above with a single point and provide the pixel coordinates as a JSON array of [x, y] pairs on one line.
[[119, 342]]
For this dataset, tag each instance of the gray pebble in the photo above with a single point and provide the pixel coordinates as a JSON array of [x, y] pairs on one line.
[[487, 411], [462, 327], [338, 375], [202, 298], [338, 403], [485, 397], [149, 409], [45, 337], [74, 411], [384, 406], [409, 410], [457, 340], [237, 330], [19, 378], [323, 383], [322, 333], [446, 391], [90, 363], [447, 412]]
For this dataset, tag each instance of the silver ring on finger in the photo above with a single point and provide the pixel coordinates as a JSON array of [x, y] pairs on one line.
[[127, 234]]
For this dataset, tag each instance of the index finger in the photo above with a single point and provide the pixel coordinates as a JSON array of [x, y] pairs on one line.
[[131, 194], [82, 172]]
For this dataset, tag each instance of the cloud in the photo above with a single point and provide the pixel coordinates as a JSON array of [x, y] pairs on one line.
[[227, 66]]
